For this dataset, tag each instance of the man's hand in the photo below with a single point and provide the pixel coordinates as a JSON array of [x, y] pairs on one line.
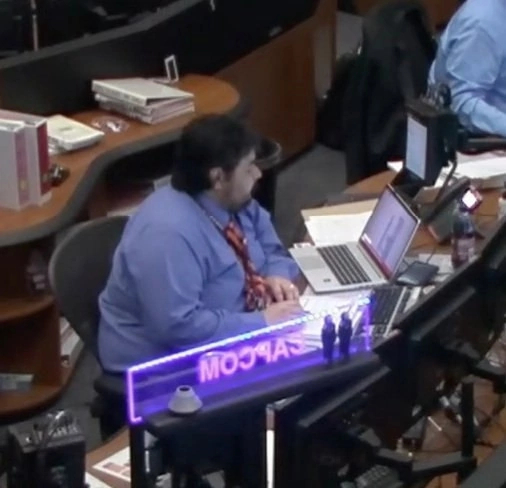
[[281, 289], [282, 311]]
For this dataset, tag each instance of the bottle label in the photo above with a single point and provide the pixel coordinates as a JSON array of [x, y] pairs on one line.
[[464, 249], [501, 208]]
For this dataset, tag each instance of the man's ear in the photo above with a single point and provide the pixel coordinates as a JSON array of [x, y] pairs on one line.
[[216, 177]]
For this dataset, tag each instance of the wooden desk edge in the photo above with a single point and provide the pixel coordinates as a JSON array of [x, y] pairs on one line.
[[89, 181]]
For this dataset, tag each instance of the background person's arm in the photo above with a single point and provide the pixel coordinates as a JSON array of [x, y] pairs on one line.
[[473, 64]]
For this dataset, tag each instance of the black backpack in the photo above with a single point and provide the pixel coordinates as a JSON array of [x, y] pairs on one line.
[[392, 67]]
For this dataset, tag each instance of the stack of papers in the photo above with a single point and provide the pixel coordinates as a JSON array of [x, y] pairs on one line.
[[149, 100], [327, 230]]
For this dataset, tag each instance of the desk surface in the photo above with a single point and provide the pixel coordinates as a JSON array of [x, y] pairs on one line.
[[370, 185], [88, 165]]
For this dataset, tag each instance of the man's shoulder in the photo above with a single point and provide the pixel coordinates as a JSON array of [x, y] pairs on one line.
[[166, 211], [481, 14]]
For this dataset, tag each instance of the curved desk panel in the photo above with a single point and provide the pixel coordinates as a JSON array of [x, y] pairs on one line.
[[88, 165]]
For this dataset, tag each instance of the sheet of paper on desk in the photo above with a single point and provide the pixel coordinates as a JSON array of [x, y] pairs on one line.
[[326, 230], [319, 304], [117, 465], [92, 482], [485, 173]]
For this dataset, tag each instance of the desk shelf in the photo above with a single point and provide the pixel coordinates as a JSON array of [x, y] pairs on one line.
[[12, 309], [15, 404], [29, 327]]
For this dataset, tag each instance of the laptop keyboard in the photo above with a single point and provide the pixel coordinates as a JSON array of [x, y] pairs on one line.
[[343, 264], [383, 304]]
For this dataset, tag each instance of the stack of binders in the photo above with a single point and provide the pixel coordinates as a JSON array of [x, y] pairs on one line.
[[146, 100], [25, 165]]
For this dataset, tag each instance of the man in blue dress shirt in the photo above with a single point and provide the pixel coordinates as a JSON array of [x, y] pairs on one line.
[[471, 60], [200, 260]]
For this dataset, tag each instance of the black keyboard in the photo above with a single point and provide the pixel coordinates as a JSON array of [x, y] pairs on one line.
[[384, 301], [378, 477], [343, 264]]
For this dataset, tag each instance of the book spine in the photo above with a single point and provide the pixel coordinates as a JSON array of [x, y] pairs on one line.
[[107, 91], [21, 158], [121, 105], [44, 161], [147, 119], [38, 159]]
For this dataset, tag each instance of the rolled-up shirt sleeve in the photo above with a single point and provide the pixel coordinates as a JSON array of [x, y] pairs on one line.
[[473, 65]]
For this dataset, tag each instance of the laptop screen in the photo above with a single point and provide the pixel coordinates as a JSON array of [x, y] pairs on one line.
[[389, 232]]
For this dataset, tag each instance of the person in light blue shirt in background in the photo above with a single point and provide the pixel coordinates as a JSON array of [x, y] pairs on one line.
[[471, 60], [177, 280]]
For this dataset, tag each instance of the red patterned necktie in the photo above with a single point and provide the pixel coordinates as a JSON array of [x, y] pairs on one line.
[[255, 286]]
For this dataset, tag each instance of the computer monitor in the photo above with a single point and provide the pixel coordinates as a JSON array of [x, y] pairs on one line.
[[416, 147], [490, 473], [493, 252], [493, 279], [453, 312], [322, 431], [431, 142]]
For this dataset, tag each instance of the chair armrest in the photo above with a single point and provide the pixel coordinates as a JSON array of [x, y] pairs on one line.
[[476, 144]]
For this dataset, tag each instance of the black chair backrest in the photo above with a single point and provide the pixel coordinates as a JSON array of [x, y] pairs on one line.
[[392, 68], [78, 272]]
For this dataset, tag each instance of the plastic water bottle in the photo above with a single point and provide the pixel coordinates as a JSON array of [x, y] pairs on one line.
[[463, 237], [501, 204]]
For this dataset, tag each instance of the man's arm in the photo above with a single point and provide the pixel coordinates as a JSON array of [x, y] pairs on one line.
[[279, 262], [170, 279], [473, 64]]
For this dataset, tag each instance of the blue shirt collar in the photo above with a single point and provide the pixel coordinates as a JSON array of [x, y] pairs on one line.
[[213, 208]]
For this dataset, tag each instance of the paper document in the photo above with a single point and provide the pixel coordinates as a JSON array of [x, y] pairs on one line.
[[117, 465], [326, 230], [485, 173], [93, 482], [335, 303]]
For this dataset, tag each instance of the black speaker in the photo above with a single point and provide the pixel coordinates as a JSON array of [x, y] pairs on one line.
[[49, 454]]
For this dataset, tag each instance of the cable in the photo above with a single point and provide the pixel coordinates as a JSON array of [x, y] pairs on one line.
[[42, 442], [434, 249]]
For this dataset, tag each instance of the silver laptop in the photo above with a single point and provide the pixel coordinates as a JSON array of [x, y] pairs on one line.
[[371, 261]]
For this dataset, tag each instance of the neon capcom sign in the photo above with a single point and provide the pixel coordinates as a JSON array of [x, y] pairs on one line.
[[219, 364]]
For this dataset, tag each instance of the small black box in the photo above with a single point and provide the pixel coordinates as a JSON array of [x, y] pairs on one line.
[[60, 461]]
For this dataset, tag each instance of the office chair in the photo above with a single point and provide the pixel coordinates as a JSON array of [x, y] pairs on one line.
[[78, 272], [15, 28]]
